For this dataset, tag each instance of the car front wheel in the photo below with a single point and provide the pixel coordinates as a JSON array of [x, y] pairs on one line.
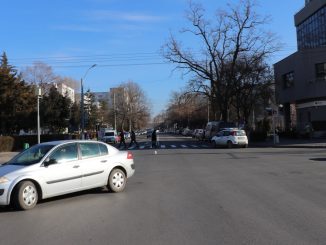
[[117, 180], [25, 195], [229, 144]]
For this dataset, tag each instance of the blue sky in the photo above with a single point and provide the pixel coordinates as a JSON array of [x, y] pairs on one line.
[[123, 37]]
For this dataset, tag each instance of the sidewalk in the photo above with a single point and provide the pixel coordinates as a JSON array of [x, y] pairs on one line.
[[6, 156], [291, 143]]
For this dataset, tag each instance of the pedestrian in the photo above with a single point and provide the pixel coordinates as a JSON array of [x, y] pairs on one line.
[[154, 138], [122, 139], [133, 139]]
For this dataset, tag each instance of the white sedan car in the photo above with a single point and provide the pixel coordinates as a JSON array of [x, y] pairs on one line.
[[230, 138], [60, 167]]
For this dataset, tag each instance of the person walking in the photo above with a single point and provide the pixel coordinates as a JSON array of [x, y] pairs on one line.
[[122, 139], [154, 138], [133, 139]]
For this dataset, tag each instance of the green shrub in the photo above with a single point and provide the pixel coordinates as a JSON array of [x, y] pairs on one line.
[[16, 143]]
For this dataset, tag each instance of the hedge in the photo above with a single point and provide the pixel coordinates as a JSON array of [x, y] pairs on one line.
[[6, 143], [16, 143]]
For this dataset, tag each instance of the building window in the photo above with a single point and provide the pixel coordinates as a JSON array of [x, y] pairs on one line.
[[321, 71], [311, 33], [288, 80]]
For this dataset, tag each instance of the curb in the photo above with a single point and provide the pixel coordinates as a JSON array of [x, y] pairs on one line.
[[288, 146]]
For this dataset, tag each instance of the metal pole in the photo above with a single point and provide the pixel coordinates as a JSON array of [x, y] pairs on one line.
[[38, 115], [207, 109], [82, 110], [273, 123], [115, 113]]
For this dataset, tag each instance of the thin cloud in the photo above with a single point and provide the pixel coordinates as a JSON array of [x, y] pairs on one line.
[[77, 28], [123, 16]]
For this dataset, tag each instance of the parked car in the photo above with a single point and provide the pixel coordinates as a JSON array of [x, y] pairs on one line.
[[149, 133], [60, 167], [193, 135], [187, 132], [230, 138], [199, 134]]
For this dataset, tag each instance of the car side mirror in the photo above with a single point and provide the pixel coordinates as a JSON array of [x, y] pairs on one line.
[[49, 162]]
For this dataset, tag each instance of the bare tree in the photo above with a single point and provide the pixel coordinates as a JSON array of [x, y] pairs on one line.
[[40, 74], [186, 109], [233, 35], [133, 107]]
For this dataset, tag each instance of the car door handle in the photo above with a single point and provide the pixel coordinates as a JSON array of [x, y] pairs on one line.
[[76, 166], [104, 161]]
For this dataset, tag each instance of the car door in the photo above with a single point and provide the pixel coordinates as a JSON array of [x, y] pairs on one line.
[[226, 137], [218, 138], [94, 162], [61, 171]]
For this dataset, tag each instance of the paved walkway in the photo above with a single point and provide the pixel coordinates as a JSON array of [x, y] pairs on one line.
[[6, 156]]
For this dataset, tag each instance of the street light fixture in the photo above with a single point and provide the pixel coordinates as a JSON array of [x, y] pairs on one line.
[[82, 109]]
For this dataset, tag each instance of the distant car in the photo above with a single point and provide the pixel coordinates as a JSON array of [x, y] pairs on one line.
[[127, 135], [111, 136], [149, 133], [187, 132], [193, 135], [60, 167], [199, 134], [230, 138]]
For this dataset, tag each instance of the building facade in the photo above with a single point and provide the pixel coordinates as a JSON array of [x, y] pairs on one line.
[[300, 79]]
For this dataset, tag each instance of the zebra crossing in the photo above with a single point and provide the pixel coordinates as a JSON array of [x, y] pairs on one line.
[[147, 145]]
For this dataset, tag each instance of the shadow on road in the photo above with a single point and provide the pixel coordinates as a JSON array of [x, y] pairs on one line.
[[100, 190], [318, 159]]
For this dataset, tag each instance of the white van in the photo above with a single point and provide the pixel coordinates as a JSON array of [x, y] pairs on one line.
[[109, 136]]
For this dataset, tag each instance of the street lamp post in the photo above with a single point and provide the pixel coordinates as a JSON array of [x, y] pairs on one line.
[[82, 109], [38, 115]]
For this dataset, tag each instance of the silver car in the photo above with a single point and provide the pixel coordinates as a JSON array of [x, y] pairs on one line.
[[60, 167]]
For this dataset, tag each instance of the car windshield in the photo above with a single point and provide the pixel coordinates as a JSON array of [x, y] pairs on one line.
[[31, 155], [109, 134], [241, 133]]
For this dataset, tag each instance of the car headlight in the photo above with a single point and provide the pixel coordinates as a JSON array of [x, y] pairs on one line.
[[3, 180]]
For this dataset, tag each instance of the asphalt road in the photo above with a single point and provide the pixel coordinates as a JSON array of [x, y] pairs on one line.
[[190, 195]]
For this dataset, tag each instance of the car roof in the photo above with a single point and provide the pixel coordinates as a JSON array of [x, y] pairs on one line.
[[231, 129], [58, 142]]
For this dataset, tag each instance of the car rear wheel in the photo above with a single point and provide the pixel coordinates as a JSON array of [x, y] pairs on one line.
[[117, 180], [25, 195], [229, 144]]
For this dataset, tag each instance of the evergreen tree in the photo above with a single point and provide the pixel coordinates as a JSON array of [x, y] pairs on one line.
[[55, 111], [75, 117], [16, 99]]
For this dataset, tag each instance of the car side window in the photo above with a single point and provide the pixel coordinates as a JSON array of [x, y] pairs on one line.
[[226, 133], [65, 153], [89, 150], [103, 149]]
